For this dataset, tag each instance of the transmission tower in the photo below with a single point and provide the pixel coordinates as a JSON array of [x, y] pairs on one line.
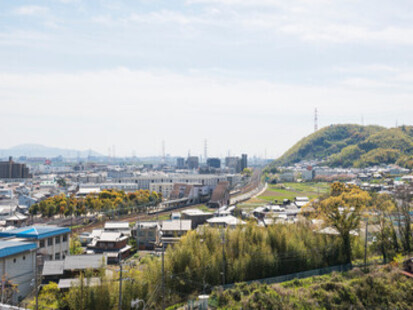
[[206, 150], [315, 120], [163, 151]]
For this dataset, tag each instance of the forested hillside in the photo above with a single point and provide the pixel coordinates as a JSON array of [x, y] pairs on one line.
[[354, 146]]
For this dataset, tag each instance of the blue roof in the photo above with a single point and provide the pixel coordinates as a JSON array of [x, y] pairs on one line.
[[35, 232], [8, 248]]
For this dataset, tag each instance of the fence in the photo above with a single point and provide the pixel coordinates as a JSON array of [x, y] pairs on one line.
[[298, 275], [9, 307]]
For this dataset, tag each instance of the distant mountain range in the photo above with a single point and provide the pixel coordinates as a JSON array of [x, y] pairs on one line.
[[37, 150], [353, 146]]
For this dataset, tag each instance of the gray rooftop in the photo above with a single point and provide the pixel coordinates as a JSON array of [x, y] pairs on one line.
[[75, 262], [116, 225], [111, 236], [53, 267], [177, 225], [67, 283]]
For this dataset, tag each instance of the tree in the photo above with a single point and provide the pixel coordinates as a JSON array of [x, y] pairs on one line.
[[343, 211], [387, 242], [7, 290], [247, 172], [49, 297], [75, 246], [404, 196], [61, 182]]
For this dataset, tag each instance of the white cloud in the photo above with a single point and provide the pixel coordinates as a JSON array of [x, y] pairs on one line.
[[31, 10], [141, 108], [23, 38]]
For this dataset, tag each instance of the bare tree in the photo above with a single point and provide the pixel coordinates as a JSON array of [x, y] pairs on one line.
[[404, 197]]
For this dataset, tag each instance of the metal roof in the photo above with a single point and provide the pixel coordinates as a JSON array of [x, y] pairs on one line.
[[177, 225], [8, 248], [116, 225], [77, 262], [227, 220], [73, 262], [53, 267], [35, 232]]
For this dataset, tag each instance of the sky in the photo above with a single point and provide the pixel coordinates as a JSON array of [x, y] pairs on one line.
[[246, 75]]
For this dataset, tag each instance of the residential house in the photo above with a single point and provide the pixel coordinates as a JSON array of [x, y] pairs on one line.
[[71, 266], [17, 220], [225, 221], [122, 227], [145, 234], [196, 216], [171, 231], [113, 244]]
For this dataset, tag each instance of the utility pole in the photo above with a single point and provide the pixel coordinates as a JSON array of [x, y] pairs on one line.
[[35, 279], [365, 244], [223, 257], [163, 276], [120, 285], [137, 237]]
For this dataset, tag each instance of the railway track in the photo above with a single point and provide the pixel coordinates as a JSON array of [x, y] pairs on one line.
[[130, 218]]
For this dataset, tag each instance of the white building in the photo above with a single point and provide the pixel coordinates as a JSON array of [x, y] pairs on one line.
[[52, 241], [17, 267]]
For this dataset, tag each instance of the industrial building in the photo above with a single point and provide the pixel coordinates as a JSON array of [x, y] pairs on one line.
[[18, 263]]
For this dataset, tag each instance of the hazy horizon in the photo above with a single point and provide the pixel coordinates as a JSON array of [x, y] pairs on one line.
[[245, 75]]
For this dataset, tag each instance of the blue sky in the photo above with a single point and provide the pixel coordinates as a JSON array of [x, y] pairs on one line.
[[244, 74]]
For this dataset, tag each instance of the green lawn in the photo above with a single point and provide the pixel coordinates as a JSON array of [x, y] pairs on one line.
[[292, 190]]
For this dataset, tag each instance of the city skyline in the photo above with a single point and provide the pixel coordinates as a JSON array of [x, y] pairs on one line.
[[246, 75]]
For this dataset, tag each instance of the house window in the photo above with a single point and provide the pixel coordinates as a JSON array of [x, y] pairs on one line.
[[57, 256], [57, 239], [65, 238], [41, 244], [50, 241]]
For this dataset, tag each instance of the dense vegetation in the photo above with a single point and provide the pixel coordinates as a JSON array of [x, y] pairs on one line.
[[208, 257], [354, 146], [105, 201], [197, 261], [382, 288]]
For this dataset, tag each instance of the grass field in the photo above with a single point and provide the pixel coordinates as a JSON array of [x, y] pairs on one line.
[[292, 190]]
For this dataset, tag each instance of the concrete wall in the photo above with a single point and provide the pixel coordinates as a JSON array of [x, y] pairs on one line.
[[49, 251], [20, 270]]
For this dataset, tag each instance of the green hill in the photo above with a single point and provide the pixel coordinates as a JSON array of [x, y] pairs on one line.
[[354, 146]]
